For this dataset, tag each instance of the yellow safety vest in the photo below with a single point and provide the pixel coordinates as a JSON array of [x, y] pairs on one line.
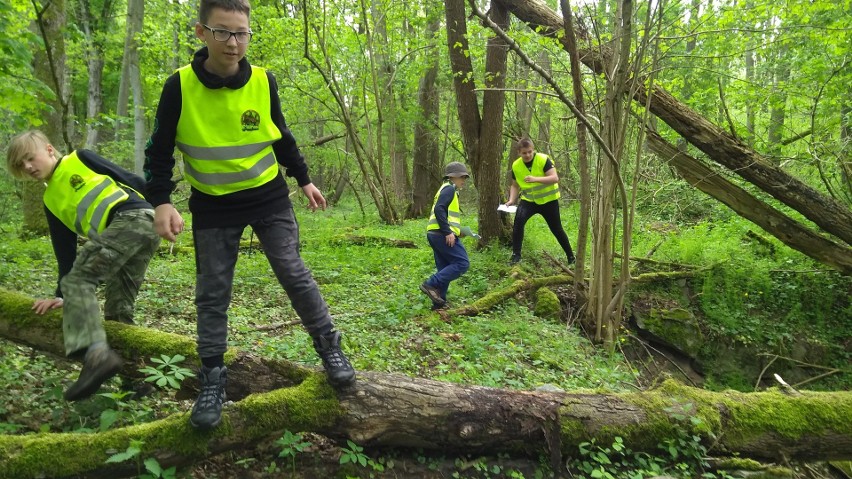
[[453, 212], [536, 192], [226, 135], [81, 198]]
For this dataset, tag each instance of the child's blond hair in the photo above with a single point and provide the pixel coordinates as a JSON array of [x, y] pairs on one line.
[[21, 148]]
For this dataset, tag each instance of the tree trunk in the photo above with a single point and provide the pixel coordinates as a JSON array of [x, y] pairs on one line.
[[49, 68], [778, 101], [582, 147], [398, 411], [95, 27], [486, 167], [427, 174], [135, 19], [721, 147], [481, 134]]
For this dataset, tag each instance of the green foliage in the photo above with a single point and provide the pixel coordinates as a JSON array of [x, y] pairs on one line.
[[291, 445], [169, 373], [353, 454], [152, 466]]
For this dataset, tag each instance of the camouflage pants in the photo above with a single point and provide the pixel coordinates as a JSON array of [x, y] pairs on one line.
[[119, 257]]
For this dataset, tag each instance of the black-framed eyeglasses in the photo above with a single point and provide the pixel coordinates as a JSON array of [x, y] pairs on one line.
[[222, 35]]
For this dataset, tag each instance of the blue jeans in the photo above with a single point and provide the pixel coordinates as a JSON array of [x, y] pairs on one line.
[[450, 262], [216, 252]]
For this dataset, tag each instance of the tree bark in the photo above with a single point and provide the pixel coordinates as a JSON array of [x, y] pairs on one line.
[[481, 133], [95, 28], [582, 146], [426, 175], [413, 413], [49, 68], [829, 214], [135, 19]]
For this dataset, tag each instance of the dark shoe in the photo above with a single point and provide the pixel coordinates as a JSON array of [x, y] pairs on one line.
[[207, 411], [136, 389], [440, 307], [571, 258], [100, 364], [337, 367], [433, 294], [516, 258]]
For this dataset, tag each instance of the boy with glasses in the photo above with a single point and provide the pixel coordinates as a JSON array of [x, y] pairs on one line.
[[225, 117], [89, 196]]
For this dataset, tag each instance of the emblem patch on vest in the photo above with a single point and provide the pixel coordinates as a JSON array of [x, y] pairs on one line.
[[250, 120], [77, 182]]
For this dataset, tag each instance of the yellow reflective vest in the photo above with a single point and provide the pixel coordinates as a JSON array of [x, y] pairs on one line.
[[226, 135], [536, 192], [453, 212], [80, 198]]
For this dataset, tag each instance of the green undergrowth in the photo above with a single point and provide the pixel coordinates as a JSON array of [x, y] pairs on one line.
[[745, 290]]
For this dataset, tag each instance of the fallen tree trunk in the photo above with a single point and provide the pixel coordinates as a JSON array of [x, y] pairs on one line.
[[789, 231], [721, 147], [403, 412]]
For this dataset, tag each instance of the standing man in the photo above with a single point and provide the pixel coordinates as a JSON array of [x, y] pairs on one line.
[[536, 181]]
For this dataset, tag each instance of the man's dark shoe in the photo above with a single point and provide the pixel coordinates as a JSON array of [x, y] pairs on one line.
[[337, 368], [100, 364], [516, 258], [207, 411], [433, 294], [571, 258]]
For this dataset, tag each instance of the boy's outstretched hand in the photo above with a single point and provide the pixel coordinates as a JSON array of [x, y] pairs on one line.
[[42, 306], [315, 198], [167, 222]]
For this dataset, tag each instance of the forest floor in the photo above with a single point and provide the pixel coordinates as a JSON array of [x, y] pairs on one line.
[[373, 294]]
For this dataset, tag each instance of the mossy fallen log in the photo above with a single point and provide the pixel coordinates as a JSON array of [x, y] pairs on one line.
[[403, 412], [494, 298], [362, 240]]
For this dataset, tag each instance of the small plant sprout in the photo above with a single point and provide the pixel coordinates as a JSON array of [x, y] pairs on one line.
[[168, 373]]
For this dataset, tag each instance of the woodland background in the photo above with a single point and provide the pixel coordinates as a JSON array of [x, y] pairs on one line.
[[728, 182]]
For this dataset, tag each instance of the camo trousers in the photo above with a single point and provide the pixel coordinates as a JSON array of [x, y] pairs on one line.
[[119, 257]]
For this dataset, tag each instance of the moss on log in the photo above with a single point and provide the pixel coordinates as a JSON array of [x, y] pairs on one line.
[[402, 412]]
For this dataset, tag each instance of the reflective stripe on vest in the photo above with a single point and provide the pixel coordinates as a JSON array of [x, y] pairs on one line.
[[538, 193], [226, 135], [453, 212], [80, 198]]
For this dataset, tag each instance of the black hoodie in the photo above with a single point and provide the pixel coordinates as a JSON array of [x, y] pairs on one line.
[[234, 209]]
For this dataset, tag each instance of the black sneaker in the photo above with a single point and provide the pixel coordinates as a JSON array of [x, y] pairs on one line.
[[100, 364], [337, 367], [433, 294], [207, 411], [571, 258], [516, 258]]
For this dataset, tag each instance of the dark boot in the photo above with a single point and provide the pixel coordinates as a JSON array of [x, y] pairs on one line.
[[337, 367], [207, 411], [433, 294], [100, 364], [571, 258], [516, 258]]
